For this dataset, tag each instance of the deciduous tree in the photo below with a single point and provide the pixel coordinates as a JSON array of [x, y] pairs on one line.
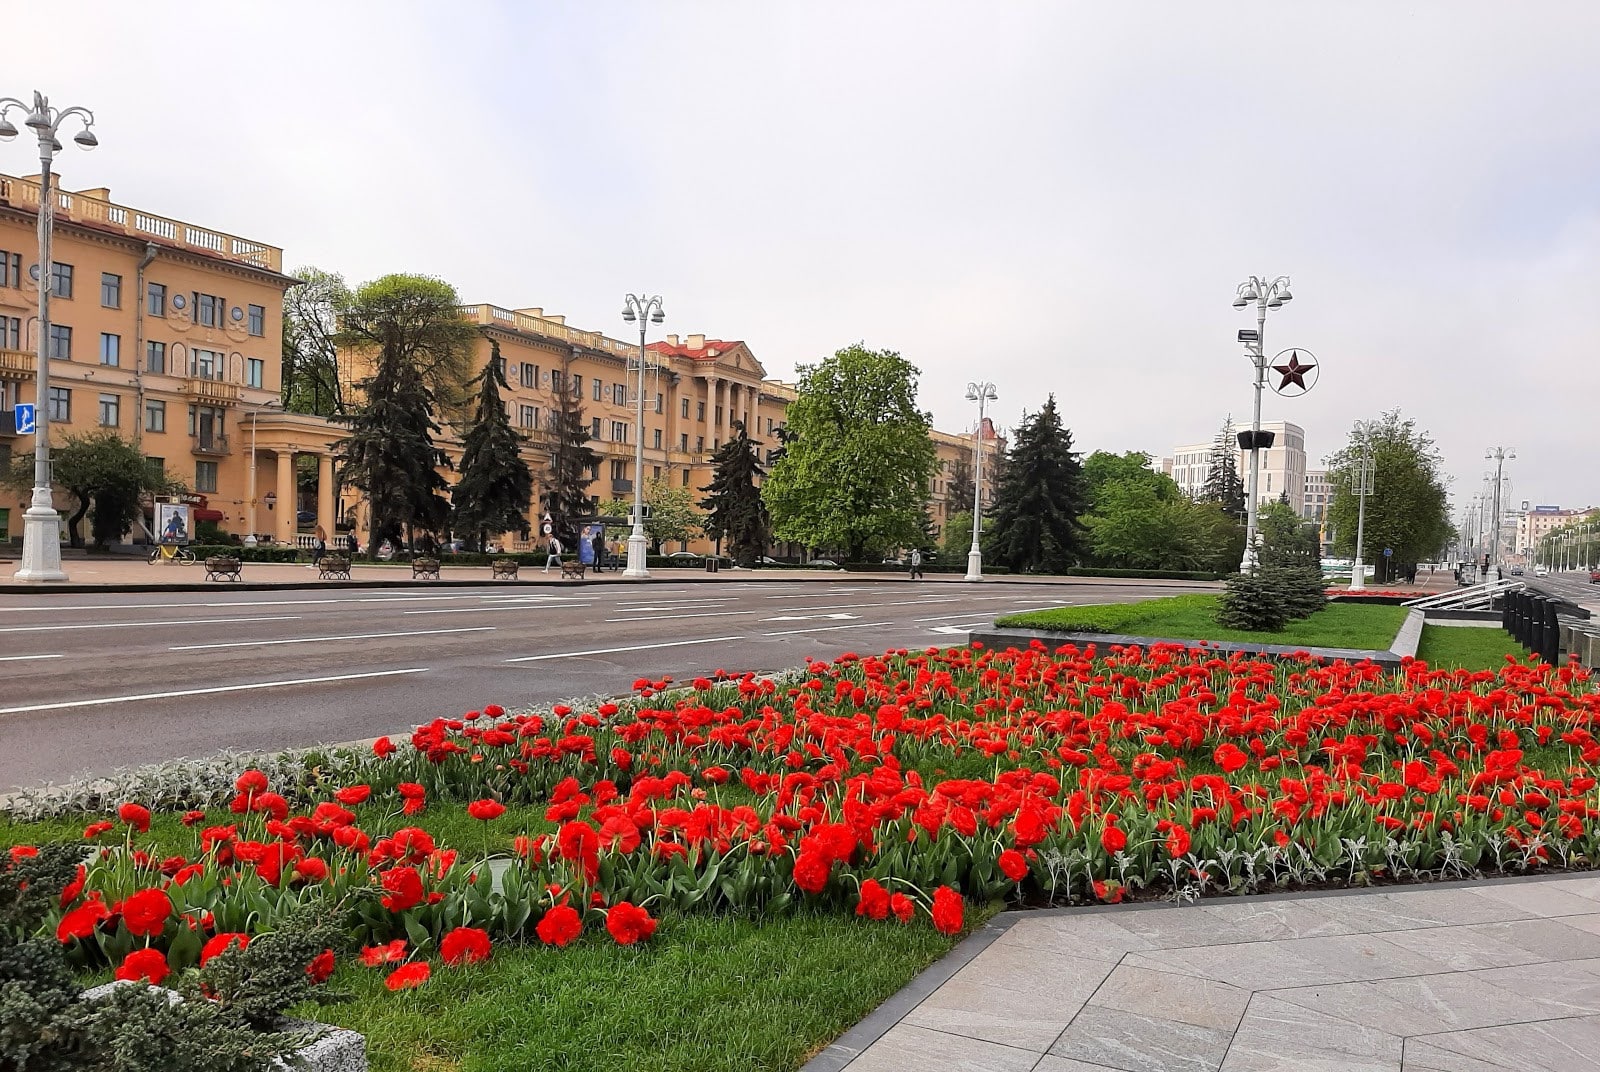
[[1408, 510], [311, 311], [1036, 525], [104, 473]]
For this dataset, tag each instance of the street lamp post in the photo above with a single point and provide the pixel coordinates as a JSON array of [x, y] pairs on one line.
[[1265, 296], [646, 311], [41, 525], [1364, 484], [982, 394], [1499, 456]]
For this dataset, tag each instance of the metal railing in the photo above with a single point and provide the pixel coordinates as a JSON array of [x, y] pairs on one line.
[[1470, 598], [16, 365]]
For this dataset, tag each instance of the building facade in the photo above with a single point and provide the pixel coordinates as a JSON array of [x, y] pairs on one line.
[[1283, 466]]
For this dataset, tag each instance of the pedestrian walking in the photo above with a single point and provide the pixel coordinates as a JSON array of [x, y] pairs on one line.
[[320, 548], [554, 549], [352, 544], [916, 564], [599, 545]]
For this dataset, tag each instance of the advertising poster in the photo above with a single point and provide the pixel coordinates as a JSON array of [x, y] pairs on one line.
[[586, 543], [172, 522]]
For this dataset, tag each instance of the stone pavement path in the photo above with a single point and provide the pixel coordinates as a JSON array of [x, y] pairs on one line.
[[1483, 977]]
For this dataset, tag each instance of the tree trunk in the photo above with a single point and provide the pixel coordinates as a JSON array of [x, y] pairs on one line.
[[74, 532]]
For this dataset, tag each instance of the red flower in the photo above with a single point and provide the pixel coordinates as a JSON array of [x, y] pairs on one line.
[[484, 810], [321, 966], [375, 956], [81, 921], [811, 871], [409, 977], [560, 925], [220, 943], [22, 852], [1230, 757], [194, 818], [94, 830], [353, 794], [404, 886], [383, 747], [149, 965], [251, 781], [146, 912], [947, 910], [874, 901], [629, 923], [1113, 840], [1177, 842], [464, 945], [70, 891], [903, 907], [135, 815], [311, 869], [1013, 865]]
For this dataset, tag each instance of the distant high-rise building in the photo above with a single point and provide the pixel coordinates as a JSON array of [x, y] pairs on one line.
[[1283, 467]]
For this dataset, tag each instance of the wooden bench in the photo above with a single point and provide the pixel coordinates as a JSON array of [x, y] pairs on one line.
[[333, 568], [425, 569], [223, 568], [503, 569], [572, 568]]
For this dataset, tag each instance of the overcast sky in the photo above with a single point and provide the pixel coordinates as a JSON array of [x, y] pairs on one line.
[[1058, 197]]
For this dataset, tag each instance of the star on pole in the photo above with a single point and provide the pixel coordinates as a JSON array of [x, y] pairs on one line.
[[1294, 372]]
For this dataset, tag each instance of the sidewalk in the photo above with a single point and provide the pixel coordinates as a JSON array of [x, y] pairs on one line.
[[1482, 976]]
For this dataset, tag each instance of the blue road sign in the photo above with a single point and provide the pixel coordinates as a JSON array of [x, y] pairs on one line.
[[1388, 551], [25, 418]]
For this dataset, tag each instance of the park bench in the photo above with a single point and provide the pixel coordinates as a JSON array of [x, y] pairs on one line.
[[503, 569], [223, 568], [572, 568], [425, 569], [333, 568]]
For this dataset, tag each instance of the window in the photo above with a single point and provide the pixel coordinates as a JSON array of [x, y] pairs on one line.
[[557, 380], [110, 349], [683, 442], [205, 476], [60, 342], [10, 269], [208, 310], [658, 438], [258, 320], [155, 299], [60, 280], [594, 428], [619, 431], [619, 470], [10, 333], [699, 442], [594, 471], [155, 357], [700, 411], [61, 404], [686, 478], [155, 416], [685, 408], [530, 375], [528, 417], [110, 411], [660, 401], [255, 371], [655, 472], [206, 364], [619, 392], [110, 290]]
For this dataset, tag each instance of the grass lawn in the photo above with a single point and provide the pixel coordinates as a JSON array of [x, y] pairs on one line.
[[1338, 625], [704, 995], [1445, 647]]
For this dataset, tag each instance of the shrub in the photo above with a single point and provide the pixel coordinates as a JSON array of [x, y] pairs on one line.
[[1252, 602], [1299, 588]]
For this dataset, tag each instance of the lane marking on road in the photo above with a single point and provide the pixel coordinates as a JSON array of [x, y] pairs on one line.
[[488, 610], [610, 651], [673, 617], [842, 616], [827, 628], [24, 658], [665, 606], [321, 639], [103, 700], [892, 603], [142, 625], [958, 628], [941, 617], [225, 604]]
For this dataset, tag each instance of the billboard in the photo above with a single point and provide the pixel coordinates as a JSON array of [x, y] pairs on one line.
[[172, 523]]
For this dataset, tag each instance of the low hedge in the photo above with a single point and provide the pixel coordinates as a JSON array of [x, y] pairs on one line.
[[1149, 574], [247, 554]]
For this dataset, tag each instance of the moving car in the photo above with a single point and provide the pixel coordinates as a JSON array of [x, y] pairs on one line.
[[1516, 571], [1594, 578], [684, 556], [1540, 571]]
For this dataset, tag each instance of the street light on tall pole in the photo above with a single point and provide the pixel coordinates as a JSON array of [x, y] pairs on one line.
[[41, 525], [646, 311], [982, 394], [1265, 296], [1499, 455], [1364, 486]]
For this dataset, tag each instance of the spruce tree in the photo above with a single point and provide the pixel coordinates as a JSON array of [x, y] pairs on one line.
[[1224, 485], [1035, 525], [959, 485], [496, 488], [566, 441], [735, 514], [391, 457]]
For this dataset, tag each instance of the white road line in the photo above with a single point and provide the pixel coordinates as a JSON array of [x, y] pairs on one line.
[[320, 639], [857, 606], [670, 617], [941, 617], [141, 625], [239, 603], [487, 610], [609, 651], [23, 658], [103, 700], [828, 628]]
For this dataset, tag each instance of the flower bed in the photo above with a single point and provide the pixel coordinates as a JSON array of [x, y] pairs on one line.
[[896, 788]]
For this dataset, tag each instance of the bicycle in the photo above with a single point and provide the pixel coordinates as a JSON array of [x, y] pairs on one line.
[[171, 552]]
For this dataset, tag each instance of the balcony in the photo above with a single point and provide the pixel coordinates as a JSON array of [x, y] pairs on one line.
[[212, 446], [16, 365], [212, 392], [620, 486]]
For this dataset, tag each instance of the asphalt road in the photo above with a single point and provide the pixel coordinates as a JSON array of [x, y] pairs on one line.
[[1571, 585], [100, 681]]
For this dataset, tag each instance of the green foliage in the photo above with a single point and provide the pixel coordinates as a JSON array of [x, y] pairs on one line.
[[958, 535], [672, 513], [736, 516], [1194, 617], [1253, 603], [1408, 509], [496, 488], [1291, 559], [1137, 524], [854, 473], [1103, 469], [565, 441], [1036, 524], [960, 482], [311, 311], [103, 472], [414, 320], [1224, 486]]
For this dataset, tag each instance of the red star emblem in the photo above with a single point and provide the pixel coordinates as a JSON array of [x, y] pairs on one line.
[[1294, 372]]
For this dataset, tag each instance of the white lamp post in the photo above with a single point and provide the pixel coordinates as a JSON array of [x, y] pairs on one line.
[[1498, 455], [1265, 296], [982, 394], [646, 311], [41, 525], [1364, 484]]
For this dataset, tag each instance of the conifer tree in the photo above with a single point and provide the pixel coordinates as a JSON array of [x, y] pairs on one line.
[[735, 514], [1035, 525], [959, 495], [496, 488], [566, 441], [1224, 485]]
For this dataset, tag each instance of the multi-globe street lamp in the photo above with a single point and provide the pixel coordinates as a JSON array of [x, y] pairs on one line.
[[1498, 455], [1266, 296], [41, 525], [982, 394], [646, 311]]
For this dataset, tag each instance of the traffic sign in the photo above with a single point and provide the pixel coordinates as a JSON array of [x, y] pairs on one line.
[[1388, 551], [25, 418]]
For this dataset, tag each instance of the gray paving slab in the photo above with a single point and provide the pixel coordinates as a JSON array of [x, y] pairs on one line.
[[1457, 977]]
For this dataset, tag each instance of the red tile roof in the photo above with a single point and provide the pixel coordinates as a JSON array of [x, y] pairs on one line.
[[709, 352]]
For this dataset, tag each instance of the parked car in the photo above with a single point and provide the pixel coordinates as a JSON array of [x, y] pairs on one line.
[[1540, 571], [824, 563], [684, 556], [1594, 577], [1516, 571]]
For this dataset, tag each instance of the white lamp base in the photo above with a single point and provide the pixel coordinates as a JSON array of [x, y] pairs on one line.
[[41, 545], [638, 549]]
